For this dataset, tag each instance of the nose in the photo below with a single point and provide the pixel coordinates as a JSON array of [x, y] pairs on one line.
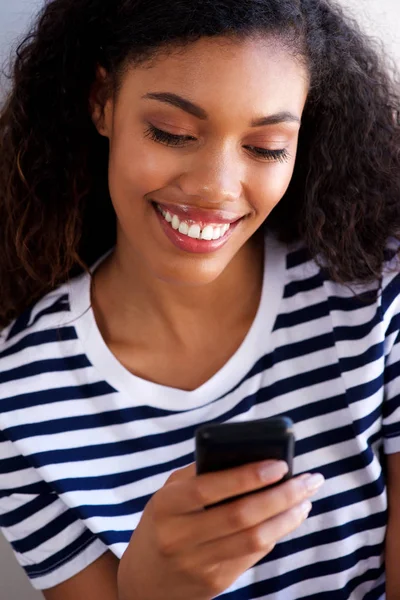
[[214, 177]]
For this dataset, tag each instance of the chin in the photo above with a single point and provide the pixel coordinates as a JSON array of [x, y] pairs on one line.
[[195, 273]]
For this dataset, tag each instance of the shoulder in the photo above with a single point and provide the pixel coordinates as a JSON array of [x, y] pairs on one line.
[[370, 305], [391, 272], [370, 309], [49, 312], [390, 288], [35, 346]]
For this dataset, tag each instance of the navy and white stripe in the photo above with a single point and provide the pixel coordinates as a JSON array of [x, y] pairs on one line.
[[84, 443]]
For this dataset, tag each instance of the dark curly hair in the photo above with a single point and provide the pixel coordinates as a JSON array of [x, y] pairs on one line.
[[55, 211]]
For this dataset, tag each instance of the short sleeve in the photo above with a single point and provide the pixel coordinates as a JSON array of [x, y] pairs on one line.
[[49, 541], [391, 407]]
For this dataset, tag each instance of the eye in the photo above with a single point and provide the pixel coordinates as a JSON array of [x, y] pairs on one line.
[[272, 155], [168, 139], [171, 139]]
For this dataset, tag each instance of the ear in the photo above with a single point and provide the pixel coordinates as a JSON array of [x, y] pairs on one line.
[[101, 103]]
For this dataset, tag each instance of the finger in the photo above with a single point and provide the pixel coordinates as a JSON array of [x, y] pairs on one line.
[[248, 512], [193, 494], [182, 474], [259, 540]]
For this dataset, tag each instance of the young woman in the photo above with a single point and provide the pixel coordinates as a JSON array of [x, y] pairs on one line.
[[200, 220]]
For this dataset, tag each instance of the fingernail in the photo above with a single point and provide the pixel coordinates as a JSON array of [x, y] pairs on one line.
[[313, 482], [273, 469], [305, 508]]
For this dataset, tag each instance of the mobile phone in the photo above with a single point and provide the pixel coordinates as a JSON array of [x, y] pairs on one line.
[[221, 446]]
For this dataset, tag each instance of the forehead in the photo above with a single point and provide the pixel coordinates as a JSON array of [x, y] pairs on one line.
[[260, 74]]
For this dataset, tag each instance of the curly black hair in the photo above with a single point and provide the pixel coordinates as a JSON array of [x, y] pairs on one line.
[[55, 210]]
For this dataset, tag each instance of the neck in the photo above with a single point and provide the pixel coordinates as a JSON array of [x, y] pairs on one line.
[[126, 297]]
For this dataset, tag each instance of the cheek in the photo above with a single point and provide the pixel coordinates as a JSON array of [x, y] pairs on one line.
[[269, 188], [137, 167]]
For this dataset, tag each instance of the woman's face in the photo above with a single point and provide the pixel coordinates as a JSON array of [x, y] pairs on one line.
[[202, 147]]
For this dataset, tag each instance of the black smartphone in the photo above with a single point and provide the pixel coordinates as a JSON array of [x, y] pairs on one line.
[[221, 446]]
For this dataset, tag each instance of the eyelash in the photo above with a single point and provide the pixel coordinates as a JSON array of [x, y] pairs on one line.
[[177, 141]]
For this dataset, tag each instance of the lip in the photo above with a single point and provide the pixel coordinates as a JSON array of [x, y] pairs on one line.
[[190, 245], [202, 216]]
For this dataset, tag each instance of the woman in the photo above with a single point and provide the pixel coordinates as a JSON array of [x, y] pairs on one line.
[[200, 222]]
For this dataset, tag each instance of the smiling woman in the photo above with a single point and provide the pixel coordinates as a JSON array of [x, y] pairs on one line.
[[203, 156], [201, 222]]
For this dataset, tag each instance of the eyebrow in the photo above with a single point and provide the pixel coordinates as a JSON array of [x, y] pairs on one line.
[[200, 113]]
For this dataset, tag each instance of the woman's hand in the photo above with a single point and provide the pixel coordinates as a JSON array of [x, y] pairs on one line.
[[181, 551]]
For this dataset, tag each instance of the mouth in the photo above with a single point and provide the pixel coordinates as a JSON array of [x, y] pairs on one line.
[[196, 230]]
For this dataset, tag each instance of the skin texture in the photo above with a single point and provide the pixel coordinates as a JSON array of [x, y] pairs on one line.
[[173, 300], [97, 582]]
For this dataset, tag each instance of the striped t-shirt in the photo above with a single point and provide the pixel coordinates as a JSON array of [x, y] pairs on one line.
[[84, 443]]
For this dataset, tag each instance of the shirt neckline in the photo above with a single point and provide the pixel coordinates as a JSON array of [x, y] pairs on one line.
[[255, 344]]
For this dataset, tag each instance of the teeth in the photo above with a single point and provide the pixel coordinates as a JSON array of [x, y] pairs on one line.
[[217, 233], [184, 228], [194, 231], [207, 233]]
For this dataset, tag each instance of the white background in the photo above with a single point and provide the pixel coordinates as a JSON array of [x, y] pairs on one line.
[[381, 18]]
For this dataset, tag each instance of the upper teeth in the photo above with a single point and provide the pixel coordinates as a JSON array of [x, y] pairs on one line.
[[194, 230]]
